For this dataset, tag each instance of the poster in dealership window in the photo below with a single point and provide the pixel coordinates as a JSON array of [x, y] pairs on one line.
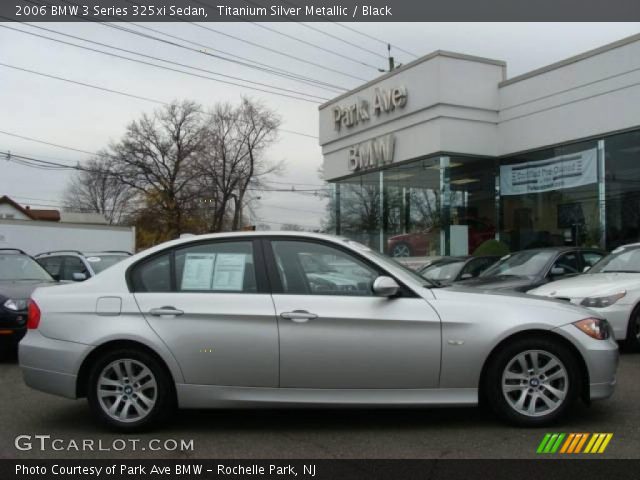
[[229, 271], [198, 271], [557, 173]]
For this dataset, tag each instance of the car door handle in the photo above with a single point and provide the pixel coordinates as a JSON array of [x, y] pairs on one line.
[[158, 312], [299, 316]]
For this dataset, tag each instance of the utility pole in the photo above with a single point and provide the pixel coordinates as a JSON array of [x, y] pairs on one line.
[[392, 63]]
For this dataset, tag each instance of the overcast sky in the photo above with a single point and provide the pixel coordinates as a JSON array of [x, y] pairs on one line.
[[88, 119]]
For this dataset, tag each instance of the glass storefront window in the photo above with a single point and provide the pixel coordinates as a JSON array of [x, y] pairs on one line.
[[359, 205], [565, 210], [622, 189]]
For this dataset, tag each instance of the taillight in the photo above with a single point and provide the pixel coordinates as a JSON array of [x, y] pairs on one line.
[[33, 315]]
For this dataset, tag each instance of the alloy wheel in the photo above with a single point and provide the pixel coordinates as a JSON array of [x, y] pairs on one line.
[[535, 383], [127, 390]]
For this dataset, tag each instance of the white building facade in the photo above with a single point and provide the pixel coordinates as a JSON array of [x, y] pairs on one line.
[[445, 152]]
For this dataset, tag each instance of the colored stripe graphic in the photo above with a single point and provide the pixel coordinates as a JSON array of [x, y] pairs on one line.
[[573, 443]]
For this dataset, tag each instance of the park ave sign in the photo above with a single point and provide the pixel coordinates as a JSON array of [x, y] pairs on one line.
[[384, 101]]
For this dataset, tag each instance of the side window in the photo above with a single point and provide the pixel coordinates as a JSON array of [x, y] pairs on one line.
[[152, 275], [315, 269], [566, 264], [216, 267], [51, 264], [475, 267], [72, 265], [591, 258]]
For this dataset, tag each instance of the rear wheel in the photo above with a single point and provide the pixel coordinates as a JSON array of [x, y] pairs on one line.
[[401, 250], [532, 381], [632, 342], [129, 390]]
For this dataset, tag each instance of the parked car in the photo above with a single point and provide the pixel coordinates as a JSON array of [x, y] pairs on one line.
[[19, 276], [611, 288], [72, 265], [446, 270], [527, 269], [416, 263], [236, 320], [419, 244]]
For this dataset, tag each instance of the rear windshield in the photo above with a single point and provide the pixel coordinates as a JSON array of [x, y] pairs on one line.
[[22, 267]]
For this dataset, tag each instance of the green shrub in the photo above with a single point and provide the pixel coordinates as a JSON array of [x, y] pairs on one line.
[[491, 247]]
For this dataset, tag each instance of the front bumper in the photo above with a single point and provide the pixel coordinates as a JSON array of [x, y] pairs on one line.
[[601, 358], [51, 365]]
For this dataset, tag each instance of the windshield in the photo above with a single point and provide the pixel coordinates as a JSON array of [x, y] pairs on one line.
[[626, 260], [522, 264], [443, 271], [100, 263], [22, 267]]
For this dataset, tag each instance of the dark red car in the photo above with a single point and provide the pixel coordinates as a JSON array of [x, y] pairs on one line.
[[418, 244]]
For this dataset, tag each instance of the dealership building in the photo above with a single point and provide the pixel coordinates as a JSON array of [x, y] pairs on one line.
[[446, 152]]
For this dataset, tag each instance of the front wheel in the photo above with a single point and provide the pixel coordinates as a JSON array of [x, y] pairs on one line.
[[532, 382], [129, 390], [632, 342]]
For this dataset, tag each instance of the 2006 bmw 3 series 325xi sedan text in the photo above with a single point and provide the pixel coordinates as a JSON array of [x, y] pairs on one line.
[[287, 319]]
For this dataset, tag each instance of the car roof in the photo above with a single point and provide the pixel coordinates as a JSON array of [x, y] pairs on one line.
[[78, 253]]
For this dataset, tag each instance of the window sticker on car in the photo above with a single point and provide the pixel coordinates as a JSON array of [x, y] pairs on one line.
[[94, 259], [198, 271], [229, 271]]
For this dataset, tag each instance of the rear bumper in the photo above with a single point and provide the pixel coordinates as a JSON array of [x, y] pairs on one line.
[[51, 365]]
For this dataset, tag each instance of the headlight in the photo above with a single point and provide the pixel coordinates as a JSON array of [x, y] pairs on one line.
[[602, 302], [594, 327], [16, 305]]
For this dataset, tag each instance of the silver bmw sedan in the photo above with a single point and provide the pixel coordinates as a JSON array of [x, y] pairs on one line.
[[288, 319]]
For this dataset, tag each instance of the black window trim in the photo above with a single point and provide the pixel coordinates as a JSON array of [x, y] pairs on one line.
[[274, 276], [262, 283]]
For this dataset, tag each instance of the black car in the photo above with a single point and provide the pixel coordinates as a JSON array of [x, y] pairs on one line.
[[20, 275], [446, 270], [527, 269]]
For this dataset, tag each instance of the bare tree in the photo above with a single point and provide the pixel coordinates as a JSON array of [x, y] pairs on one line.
[[234, 162], [157, 158], [94, 190]]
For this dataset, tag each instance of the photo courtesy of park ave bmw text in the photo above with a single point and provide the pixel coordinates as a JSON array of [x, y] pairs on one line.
[[319, 239]]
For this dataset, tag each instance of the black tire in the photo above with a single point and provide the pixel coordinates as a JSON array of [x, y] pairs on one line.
[[497, 399], [632, 341], [164, 391]]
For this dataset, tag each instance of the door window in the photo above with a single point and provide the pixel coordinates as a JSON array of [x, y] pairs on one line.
[[315, 269], [591, 258], [216, 267], [566, 264], [153, 275], [73, 265], [51, 265]]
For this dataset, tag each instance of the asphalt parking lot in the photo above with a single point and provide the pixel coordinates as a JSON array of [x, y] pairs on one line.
[[408, 433]]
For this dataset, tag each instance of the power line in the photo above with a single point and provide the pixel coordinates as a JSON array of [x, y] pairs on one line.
[[273, 50], [371, 37], [117, 92], [165, 67], [257, 65]]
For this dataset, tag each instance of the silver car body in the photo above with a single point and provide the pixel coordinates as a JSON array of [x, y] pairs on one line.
[[237, 350]]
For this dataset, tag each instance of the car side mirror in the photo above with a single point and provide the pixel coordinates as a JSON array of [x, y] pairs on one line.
[[466, 276], [557, 271], [79, 277], [385, 286], [586, 269]]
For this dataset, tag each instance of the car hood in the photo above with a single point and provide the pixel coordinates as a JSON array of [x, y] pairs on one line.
[[21, 288], [591, 284], [500, 282], [519, 300]]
